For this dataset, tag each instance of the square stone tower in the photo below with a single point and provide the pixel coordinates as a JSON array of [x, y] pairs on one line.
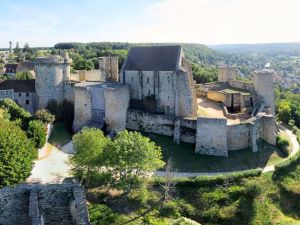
[[109, 66], [226, 73], [263, 86]]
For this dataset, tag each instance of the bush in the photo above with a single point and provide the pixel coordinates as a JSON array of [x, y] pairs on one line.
[[17, 154], [170, 209], [37, 132], [234, 178], [283, 145], [16, 112], [45, 116]]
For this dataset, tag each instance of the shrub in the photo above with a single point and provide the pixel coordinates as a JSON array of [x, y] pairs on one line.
[[15, 111], [36, 131], [234, 178], [283, 145], [17, 154], [170, 209], [45, 116]]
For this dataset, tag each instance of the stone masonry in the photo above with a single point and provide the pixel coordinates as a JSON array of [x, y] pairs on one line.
[[57, 204]]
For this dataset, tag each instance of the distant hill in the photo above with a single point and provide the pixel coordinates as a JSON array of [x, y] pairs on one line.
[[197, 53], [273, 48]]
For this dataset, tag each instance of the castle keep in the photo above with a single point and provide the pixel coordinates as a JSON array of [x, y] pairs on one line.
[[155, 92]]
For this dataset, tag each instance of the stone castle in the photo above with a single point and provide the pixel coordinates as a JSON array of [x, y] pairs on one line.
[[155, 92]]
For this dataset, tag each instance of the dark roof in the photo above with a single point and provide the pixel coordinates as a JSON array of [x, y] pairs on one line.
[[25, 66], [11, 68], [18, 85], [153, 58]]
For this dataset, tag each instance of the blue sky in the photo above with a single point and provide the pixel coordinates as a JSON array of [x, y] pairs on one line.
[[46, 22]]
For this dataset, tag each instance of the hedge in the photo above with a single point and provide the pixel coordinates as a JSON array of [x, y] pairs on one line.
[[213, 180]]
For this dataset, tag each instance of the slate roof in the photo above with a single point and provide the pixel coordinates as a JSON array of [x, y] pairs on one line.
[[18, 85], [153, 58], [25, 66]]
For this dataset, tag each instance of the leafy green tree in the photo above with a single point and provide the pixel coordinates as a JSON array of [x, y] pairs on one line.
[[129, 157], [24, 76], [16, 112], [17, 154], [44, 115], [89, 65], [89, 145], [37, 132], [204, 74], [284, 112]]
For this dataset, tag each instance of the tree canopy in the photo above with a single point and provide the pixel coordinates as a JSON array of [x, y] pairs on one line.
[[17, 154]]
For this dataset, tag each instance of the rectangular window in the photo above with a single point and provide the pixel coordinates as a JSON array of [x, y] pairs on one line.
[[6, 93], [20, 94], [27, 94], [27, 102]]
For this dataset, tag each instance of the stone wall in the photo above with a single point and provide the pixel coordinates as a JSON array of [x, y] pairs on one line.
[[90, 75], [242, 85], [219, 97], [43, 204], [163, 125], [211, 137], [116, 105], [148, 122], [69, 91], [226, 73], [238, 136], [82, 108]]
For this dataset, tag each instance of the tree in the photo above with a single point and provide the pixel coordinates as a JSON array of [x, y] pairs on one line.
[[129, 157], [37, 132], [16, 112], [89, 145], [45, 116], [17, 154], [67, 111], [26, 75], [284, 112]]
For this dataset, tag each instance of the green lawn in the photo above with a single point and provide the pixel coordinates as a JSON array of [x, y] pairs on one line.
[[60, 135], [185, 159]]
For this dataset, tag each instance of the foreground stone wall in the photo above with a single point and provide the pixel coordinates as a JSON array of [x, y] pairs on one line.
[[60, 204], [211, 136]]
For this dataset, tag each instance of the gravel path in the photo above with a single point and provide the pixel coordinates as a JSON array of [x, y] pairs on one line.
[[52, 166]]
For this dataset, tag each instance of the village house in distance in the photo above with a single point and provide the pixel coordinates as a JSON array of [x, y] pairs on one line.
[[155, 92]]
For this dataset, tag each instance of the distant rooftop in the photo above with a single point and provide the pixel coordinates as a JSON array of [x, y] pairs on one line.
[[153, 58], [18, 85]]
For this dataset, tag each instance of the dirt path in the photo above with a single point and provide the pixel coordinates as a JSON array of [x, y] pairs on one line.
[[53, 165]]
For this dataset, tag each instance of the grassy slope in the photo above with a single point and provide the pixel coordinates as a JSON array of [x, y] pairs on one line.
[[186, 160]]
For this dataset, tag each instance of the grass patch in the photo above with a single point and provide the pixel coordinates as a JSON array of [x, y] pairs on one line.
[[186, 160], [60, 135]]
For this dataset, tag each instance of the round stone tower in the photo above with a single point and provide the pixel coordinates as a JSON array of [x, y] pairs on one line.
[[263, 85], [51, 73]]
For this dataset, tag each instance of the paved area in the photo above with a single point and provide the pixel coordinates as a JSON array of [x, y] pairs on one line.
[[52, 165]]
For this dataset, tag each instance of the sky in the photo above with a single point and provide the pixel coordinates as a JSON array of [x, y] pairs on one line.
[[47, 22]]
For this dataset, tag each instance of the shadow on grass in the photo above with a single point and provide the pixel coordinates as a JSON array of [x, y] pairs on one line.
[[185, 160]]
